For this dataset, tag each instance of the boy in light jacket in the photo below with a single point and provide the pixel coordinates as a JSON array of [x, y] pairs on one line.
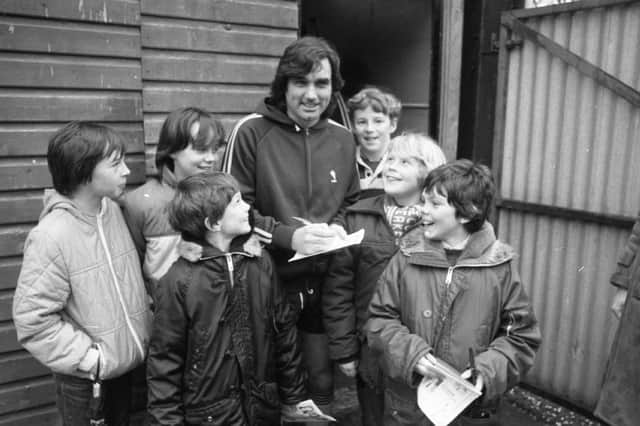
[[80, 305]]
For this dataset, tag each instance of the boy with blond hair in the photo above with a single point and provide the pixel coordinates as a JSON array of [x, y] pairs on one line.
[[390, 220], [456, 291]]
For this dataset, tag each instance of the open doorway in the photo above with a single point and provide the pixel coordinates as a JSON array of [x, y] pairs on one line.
[[382, 43]]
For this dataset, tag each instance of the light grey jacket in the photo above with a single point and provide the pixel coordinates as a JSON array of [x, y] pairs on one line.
[[81, 285]]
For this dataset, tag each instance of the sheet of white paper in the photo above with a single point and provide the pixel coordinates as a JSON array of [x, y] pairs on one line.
[[445, 395], [310, 412], [337, 243]]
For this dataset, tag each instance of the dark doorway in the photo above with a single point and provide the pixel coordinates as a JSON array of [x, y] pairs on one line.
[[382, 43]]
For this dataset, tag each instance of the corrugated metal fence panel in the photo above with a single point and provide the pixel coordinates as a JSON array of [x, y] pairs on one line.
[[570, 142], [60, 60], [565, 266], [568, 139], [218, 55]]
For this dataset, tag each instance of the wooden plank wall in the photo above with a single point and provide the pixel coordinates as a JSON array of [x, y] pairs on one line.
[[219, 55], [60, 60], [126, 63]]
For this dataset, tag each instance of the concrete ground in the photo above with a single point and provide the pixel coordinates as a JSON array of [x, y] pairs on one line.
[[520, 408]]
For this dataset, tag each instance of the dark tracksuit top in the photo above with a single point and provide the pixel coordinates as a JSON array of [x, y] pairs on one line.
[[286, 171]]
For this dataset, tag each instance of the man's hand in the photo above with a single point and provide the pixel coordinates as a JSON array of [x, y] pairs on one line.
[[618, 302], [349, 369], [313, 238], [340, 232]]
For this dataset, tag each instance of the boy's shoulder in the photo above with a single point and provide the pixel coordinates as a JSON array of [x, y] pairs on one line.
[[371, 205], [149, 196]]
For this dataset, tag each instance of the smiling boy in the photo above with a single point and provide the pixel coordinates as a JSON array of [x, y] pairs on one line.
[[455, 291], [390, 221], [191, 141], [80, 305], [224, 345], [375, 115]]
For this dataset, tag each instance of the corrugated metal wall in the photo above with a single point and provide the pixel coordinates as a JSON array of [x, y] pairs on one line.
[[219, 55], [102, 60], [570, 142]]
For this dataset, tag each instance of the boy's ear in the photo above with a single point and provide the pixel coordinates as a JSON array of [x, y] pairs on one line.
[[394, 125], [213, 228]]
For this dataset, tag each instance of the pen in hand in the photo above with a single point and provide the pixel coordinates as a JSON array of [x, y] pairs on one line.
[[301, 220], [472, 366]]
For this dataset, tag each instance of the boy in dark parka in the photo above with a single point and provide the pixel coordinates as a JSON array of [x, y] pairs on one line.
[[224, 344]]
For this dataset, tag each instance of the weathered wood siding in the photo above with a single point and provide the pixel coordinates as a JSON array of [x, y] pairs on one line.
[[219, 55], [61, 60], [126, 63]]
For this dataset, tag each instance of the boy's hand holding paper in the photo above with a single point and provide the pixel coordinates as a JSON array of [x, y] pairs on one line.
[[443, 394]]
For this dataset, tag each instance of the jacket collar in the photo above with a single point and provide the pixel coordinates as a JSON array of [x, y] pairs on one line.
[[483, 249], [53, 200], [360, 161], [244, 245], [168, 178], [373, 205]]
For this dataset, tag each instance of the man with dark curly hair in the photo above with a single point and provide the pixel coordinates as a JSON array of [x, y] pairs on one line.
[[292, 163]]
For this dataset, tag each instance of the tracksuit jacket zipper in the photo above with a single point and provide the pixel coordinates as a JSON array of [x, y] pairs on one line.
[[307, 158]]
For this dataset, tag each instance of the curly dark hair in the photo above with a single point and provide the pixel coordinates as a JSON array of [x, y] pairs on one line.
[[298, 60], [469, 187]]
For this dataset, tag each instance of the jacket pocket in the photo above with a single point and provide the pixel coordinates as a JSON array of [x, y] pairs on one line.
[[402, 411], [225, 411], [264, 403]]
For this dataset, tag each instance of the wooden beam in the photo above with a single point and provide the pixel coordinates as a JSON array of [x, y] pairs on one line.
[[450, 74], [500, 115], [567, 7], [618, 221], [564, 54]]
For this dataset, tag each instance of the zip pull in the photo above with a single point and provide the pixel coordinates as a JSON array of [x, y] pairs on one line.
[[447, 280], [230, 267], [97, 389]]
